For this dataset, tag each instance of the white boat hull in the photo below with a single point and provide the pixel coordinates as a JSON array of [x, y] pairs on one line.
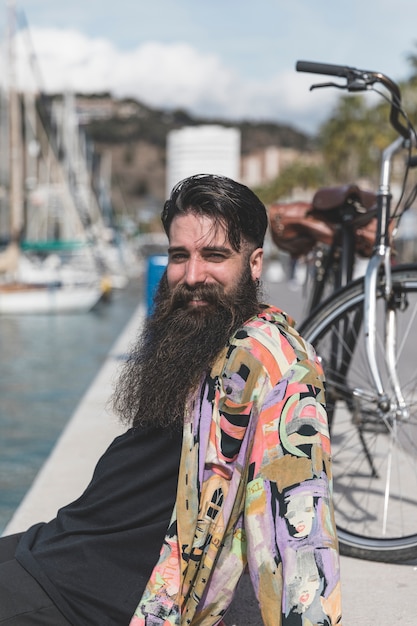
[[54, 299]]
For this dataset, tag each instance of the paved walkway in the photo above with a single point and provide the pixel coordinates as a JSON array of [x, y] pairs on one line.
[[374, 594]]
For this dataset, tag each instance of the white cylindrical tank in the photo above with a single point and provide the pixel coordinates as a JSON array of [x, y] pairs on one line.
[[207, 149]]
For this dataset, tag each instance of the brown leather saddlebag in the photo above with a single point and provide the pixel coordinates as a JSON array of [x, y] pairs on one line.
[[296, 227], [295, 231]]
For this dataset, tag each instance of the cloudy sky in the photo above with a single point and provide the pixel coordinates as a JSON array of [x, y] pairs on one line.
[[230, 58]]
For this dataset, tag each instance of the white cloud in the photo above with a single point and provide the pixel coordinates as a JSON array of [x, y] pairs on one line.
[[167, 76]]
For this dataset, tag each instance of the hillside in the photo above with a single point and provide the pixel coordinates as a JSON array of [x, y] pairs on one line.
[[135, 136]]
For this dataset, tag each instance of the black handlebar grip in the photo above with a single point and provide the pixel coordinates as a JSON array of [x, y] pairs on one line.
[[323, 68]]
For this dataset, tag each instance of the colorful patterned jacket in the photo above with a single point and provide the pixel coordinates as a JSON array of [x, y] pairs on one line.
[[254, 490]]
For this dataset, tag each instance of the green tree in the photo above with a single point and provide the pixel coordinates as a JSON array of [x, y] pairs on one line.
[[352, 139], [412, 59], [409, 89], [295, 175]]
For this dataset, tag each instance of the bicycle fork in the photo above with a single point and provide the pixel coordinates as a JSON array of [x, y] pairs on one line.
[[381, 259]]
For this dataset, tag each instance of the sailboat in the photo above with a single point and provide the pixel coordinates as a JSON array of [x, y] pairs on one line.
[[27, 298], [49, 204]]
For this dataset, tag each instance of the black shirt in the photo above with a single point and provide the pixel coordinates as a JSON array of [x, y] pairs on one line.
[[96, 557]]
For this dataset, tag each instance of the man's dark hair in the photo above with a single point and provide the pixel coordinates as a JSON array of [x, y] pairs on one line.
[[225, 201]]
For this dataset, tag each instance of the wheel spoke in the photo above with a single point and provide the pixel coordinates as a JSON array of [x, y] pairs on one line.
[[388, 483]]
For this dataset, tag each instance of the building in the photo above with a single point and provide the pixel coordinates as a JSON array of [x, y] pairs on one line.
[[206, 149], [263, 165]]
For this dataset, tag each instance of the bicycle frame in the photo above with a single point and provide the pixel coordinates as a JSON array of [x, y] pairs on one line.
[[337, 262]]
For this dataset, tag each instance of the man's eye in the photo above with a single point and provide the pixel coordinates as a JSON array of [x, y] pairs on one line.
[[178, 257], [215, 256]]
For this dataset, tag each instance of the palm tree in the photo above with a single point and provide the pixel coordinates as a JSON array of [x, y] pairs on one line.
[[352, 139]]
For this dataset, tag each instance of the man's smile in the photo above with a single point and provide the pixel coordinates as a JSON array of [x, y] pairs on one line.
[[197, 301]]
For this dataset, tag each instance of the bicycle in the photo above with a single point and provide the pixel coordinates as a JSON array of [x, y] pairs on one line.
[[363, 333]]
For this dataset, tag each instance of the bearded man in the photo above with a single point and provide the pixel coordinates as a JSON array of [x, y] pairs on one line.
[[225, 465]]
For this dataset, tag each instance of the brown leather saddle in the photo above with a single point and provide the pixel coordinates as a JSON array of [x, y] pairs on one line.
[[297, 227]]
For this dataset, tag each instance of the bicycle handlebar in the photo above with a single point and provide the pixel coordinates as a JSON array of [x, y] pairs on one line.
[[359, 80], [324, 68]]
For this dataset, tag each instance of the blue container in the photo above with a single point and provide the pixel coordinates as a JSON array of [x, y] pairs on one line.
[[156, 267]]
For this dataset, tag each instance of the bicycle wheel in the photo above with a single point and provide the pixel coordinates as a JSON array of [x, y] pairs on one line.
[[374, 451]]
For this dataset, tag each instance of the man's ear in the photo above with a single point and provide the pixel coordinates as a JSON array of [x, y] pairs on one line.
[[255, 263]]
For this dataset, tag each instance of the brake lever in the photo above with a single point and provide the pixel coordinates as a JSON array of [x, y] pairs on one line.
[[319, 85]]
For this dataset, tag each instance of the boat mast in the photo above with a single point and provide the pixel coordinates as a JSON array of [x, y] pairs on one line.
[[15, 125]]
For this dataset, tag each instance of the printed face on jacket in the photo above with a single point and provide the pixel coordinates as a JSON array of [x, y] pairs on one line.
[[200, 254], [300, 514], [304, 583]]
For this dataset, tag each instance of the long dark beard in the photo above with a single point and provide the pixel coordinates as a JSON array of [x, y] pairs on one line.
[[177, 346]]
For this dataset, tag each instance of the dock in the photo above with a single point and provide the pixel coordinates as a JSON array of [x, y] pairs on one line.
[[373, 594]]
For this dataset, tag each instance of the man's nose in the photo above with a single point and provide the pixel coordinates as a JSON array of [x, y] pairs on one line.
[[195, 272]]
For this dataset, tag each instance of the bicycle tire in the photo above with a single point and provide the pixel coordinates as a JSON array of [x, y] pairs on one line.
[[374, 453]]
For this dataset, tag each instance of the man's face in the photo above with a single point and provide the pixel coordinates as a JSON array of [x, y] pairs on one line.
[[208, 292], [200, 254]]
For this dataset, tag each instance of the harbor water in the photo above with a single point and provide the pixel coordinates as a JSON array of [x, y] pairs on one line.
[[47, 362]]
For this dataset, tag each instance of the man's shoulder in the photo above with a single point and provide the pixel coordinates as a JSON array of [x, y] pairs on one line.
[[266, 346], [269, 320], [270, 314], [274, 330]]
